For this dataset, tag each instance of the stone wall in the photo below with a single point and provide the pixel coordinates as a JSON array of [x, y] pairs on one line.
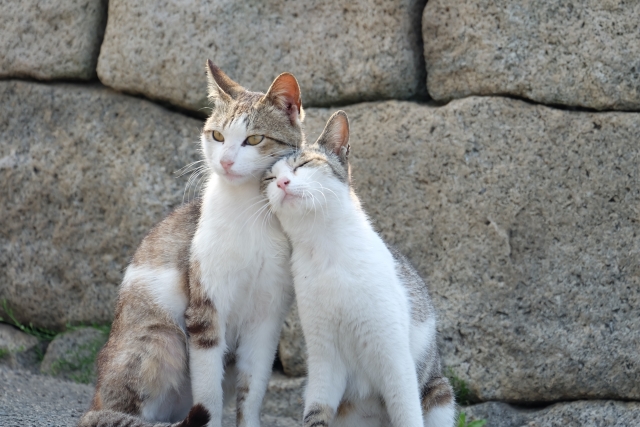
[[495, 143]]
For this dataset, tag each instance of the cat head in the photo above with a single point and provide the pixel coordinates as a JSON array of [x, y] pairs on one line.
[[248, 131], [313, 177]]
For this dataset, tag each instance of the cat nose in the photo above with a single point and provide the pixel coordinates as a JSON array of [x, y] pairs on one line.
[[226, 164], [283, 182]]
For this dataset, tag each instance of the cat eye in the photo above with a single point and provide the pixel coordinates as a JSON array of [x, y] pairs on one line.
[[254, 139], [218, 136], [301, 165]]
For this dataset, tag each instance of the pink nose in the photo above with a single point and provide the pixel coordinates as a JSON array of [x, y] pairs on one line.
[[226, 164], [283, 182]]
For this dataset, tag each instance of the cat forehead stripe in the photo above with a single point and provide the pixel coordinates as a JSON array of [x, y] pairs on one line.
[[330, 159]]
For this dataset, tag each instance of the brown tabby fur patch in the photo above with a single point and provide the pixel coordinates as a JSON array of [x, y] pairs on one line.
[[437, 392], [345, 408], [318, 416], [135, 365], [201, 316], [241, 394], [198, 417]]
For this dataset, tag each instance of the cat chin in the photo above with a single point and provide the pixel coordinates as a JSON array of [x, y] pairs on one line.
[[293, 206], [234, 179]]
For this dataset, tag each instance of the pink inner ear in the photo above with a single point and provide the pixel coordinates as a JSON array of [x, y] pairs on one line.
[[344, 133], [340, 133], [285, 93]]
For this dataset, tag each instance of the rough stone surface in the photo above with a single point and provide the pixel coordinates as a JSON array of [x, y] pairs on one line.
[[17, 349], [85, 174], [292, 349], [499, 414], [594, 413], [28, 400], [583, 53], [360, 50], [524, 221], [14, 340], [72, 355], [51, 39], [284, 397]]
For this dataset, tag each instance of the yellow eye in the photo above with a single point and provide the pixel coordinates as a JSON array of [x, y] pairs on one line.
[[218, 136], [255, 139]]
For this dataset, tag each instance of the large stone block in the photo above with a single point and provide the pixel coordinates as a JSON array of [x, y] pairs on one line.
[[51, 39], [584, 53], [355, 51], [18, 350], [585, 413], [85, 174], [524, 220], [72, 355]]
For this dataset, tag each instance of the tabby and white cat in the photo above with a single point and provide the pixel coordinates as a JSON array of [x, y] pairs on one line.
[[367, 318], [209, 287]]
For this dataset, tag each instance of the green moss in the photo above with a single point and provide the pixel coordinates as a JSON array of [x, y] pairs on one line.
[[463, 394], [40, 333], [462, 421], [79, 365], [3, 352]]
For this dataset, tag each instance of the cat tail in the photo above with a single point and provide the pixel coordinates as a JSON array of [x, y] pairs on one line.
[[438, 403], [198, 417]]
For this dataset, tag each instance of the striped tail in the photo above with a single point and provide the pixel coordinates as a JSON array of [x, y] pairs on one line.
[[438, 403], [198, 417]]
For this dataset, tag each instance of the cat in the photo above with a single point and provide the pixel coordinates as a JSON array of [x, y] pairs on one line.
[[206, 293], [368, 321]]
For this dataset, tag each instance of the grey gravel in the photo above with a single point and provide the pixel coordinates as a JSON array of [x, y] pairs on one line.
[[28, 400], [34, 400]]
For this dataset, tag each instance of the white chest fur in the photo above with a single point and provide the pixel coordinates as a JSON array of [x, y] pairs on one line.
[[242, 253]]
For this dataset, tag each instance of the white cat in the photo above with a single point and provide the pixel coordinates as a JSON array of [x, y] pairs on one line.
[[368, 321]]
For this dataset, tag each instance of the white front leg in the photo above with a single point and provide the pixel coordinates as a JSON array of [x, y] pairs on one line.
[[399, 384], [254, 360], [327, 383], [206, 356], [206, 366]]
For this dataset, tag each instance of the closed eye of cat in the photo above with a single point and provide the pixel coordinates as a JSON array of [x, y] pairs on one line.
[[268, 178], [302, 164]]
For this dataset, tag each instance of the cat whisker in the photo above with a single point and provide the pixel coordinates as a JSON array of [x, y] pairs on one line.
[[313, 173], [254, 216], [325, 188], [199, 181], [313, 201], [185, 169], [186, 187], [324, 215], [258, 213], [194, 176], [322, 193], [262, 200], [199, 186], [265, 222], [196, 173]]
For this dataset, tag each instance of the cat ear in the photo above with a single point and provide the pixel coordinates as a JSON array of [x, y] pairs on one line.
[[220, 85], [284, 93], [335, 136]]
